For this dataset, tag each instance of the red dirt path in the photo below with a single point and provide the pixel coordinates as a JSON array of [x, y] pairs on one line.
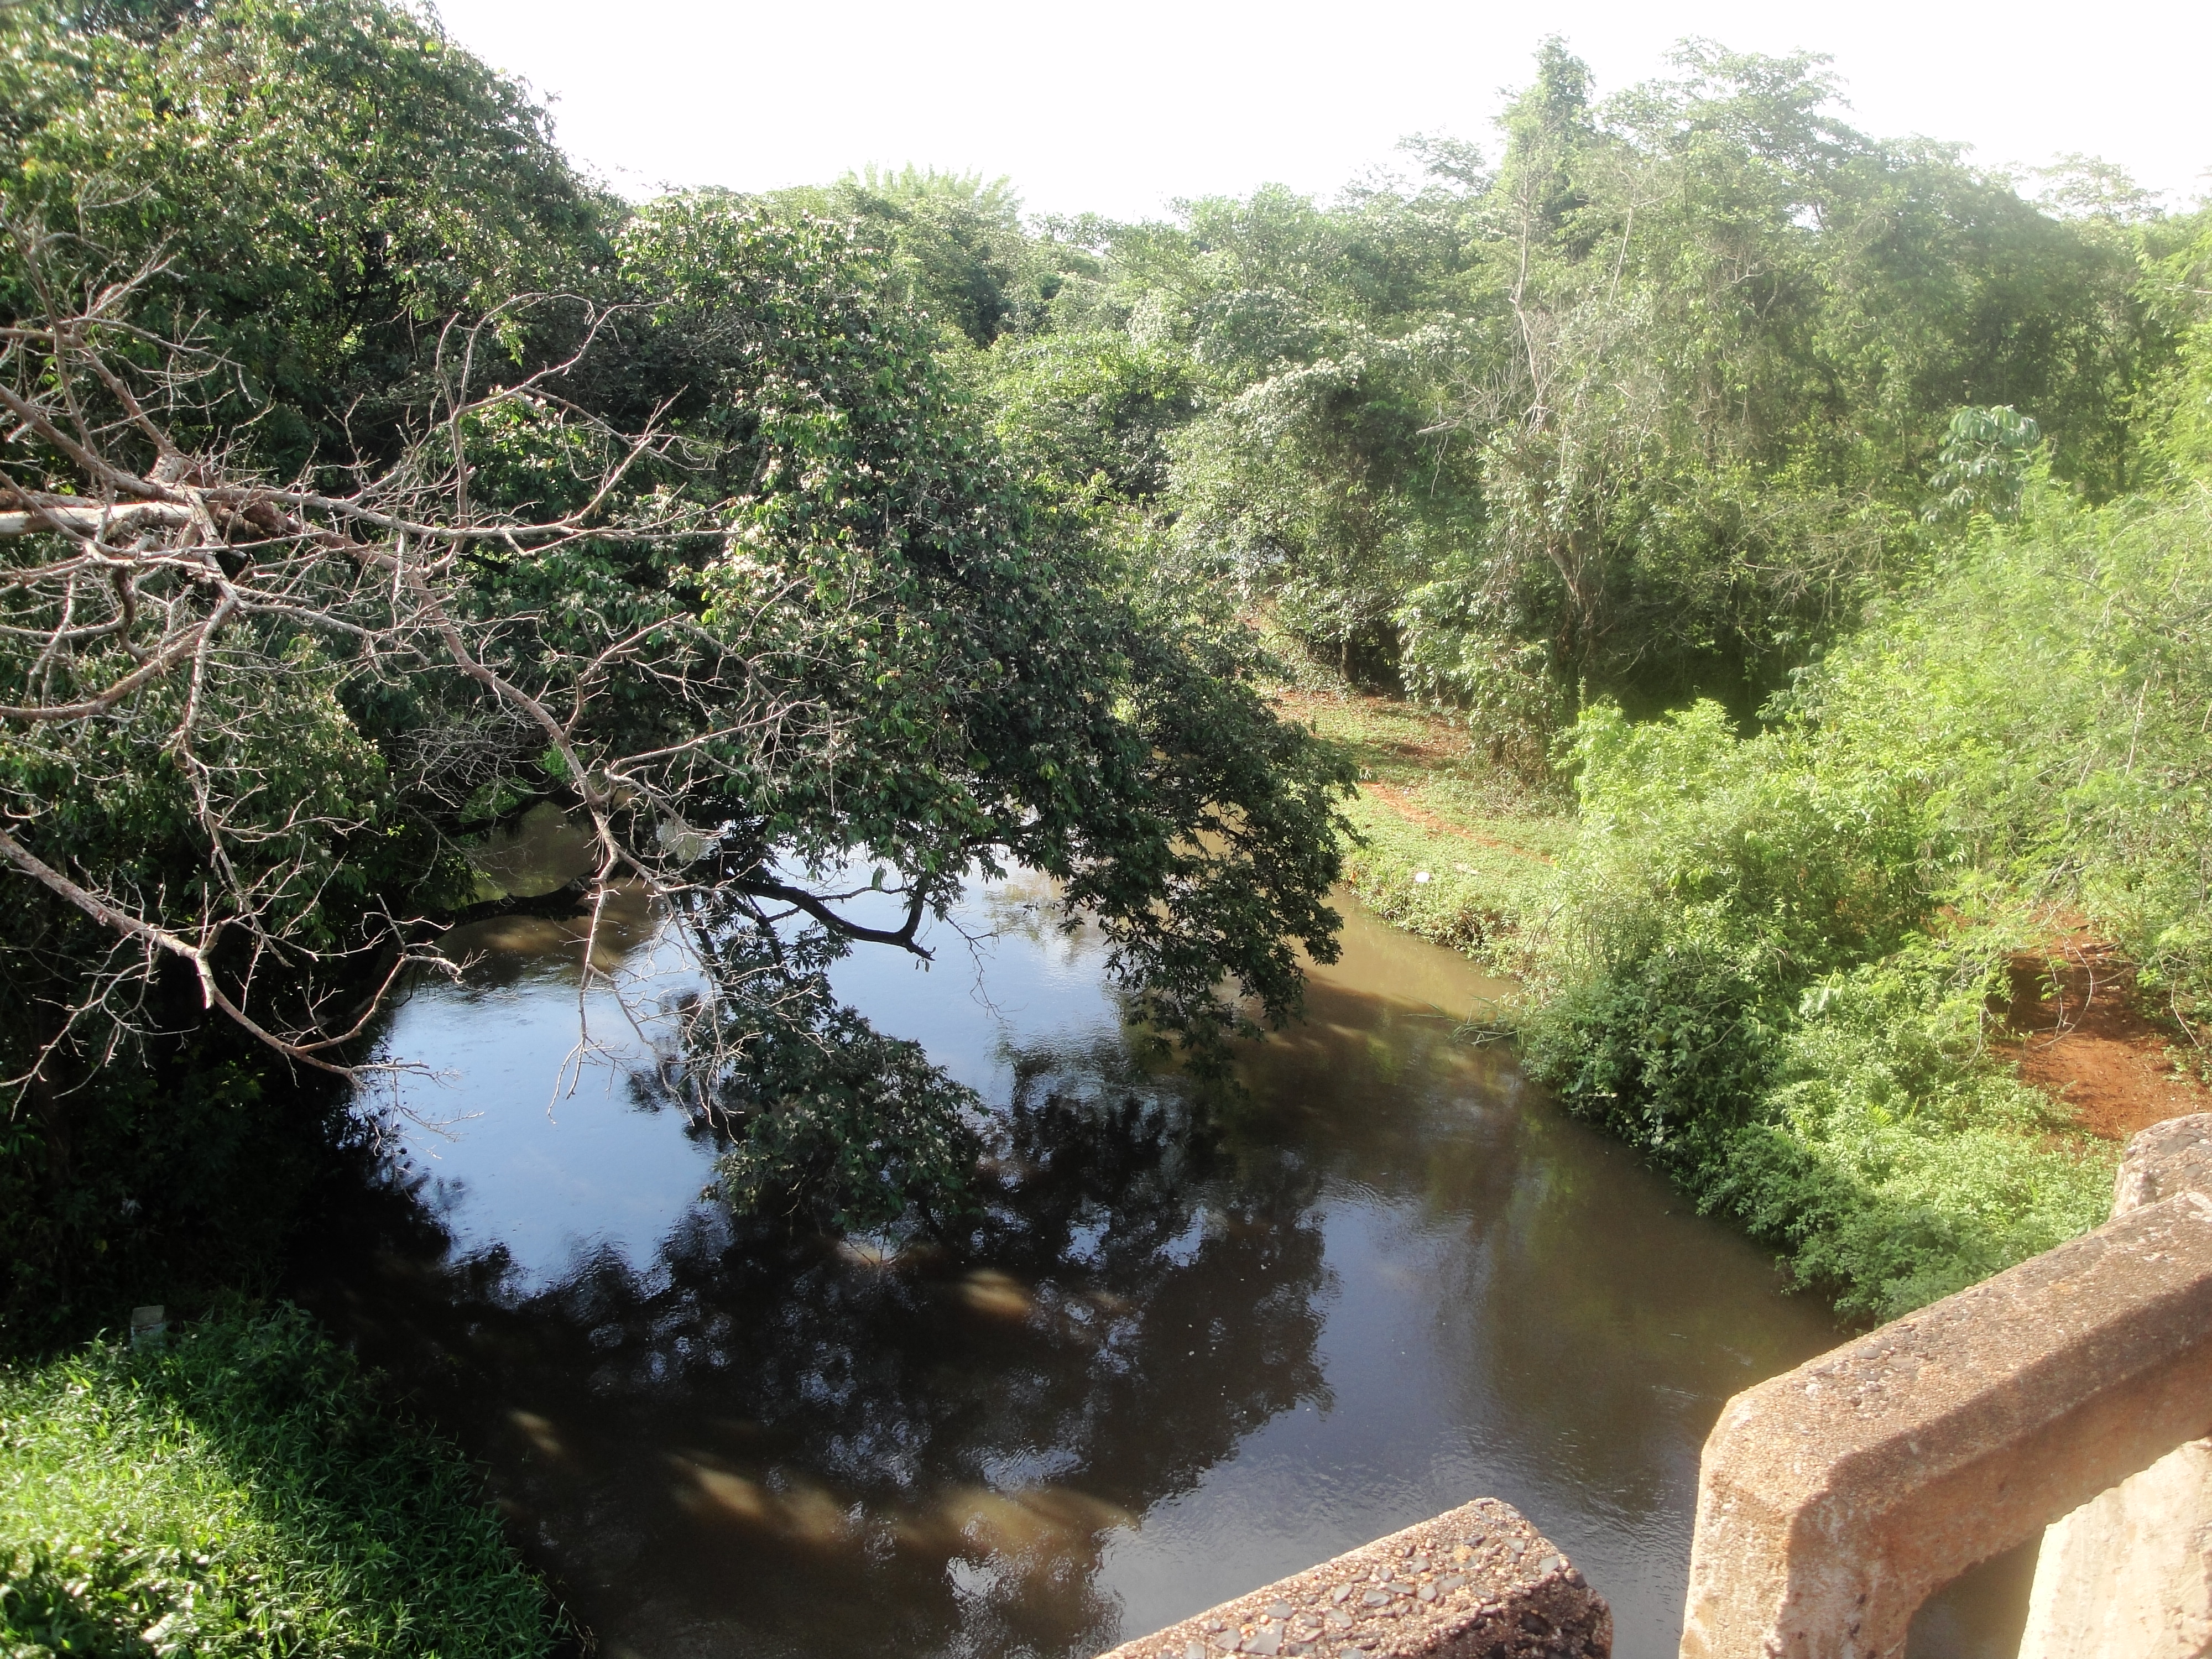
[[2080, 1034]]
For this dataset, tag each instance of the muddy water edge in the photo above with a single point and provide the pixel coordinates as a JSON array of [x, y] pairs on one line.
[[1184, 1350]]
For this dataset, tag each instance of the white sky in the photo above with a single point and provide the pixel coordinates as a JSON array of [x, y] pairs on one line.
[[1121, 107]]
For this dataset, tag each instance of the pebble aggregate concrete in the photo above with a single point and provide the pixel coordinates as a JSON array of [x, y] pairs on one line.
[[1476, 1582]]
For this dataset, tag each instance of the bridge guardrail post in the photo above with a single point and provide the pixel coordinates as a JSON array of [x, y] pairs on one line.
[[1834, 1498], [2128, 1575]]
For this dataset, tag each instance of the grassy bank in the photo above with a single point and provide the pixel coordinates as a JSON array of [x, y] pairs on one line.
[[1452, 848], [241, 1492], [1781, 962]]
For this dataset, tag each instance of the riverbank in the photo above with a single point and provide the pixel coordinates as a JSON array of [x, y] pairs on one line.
[[1468, 858], [240, 1490], [1456, 850], [1880, 1007]]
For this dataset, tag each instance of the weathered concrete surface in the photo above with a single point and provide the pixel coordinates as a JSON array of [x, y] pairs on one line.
[[2168, 1157], [2128, 1575], [1478, 1582], [1834, 1498]]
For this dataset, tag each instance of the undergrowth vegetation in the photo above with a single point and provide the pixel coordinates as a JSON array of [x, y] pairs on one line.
[[239, 1493], [1776, 704], [1482, 897], [1776, 957], [1779, 959]]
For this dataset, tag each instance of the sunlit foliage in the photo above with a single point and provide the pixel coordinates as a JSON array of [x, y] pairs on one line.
[[239, 1491], [806, 609], [1787, 962]]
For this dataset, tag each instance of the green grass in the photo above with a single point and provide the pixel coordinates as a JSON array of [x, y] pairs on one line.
[[1479, 898], [1451, 848], [241, 1492]]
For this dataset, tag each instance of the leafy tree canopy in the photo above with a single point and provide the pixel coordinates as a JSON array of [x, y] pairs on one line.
[[411, 478], [1647, 408], [957, 242], [325, 186]]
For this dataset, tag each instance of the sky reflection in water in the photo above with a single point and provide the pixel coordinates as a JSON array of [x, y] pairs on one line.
[[1182, 1356]]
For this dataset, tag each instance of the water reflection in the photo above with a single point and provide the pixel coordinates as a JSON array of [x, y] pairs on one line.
[[1181, 1350]]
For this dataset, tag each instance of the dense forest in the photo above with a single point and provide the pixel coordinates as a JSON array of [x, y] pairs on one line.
[[1806, 532], [1806, 535]]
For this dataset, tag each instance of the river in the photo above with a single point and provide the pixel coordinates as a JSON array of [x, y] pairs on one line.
[[1192, 1350]]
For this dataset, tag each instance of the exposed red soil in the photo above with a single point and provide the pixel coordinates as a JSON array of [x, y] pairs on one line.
[[1397, 800], [2080, 1034]]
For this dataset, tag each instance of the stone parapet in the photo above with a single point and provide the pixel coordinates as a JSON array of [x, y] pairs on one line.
[[2166, 1158], [2128, 1575], [1834, 1499], [1478, 1582]]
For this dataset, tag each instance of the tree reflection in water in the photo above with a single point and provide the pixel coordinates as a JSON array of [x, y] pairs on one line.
[[736, 1443], [764, 1445]]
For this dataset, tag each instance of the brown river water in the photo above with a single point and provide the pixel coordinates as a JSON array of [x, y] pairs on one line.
[[1189, 1351]]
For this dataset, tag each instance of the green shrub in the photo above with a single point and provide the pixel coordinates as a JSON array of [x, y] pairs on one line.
[[240, 1493], [1779, 957], [2048, 696], [1789, 864], [1713, 880], [1892, 1157], [1667, 1048]]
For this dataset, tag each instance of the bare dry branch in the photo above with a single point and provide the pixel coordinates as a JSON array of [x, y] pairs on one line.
[[162, 608]]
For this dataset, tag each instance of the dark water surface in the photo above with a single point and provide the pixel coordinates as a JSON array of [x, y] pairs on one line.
[[1187, 1356]]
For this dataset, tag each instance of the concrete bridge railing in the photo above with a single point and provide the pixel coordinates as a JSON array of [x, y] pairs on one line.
[[1475, 1582], [1834, 1499]]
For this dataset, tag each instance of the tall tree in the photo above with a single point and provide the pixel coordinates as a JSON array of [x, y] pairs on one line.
[[712, 547]]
